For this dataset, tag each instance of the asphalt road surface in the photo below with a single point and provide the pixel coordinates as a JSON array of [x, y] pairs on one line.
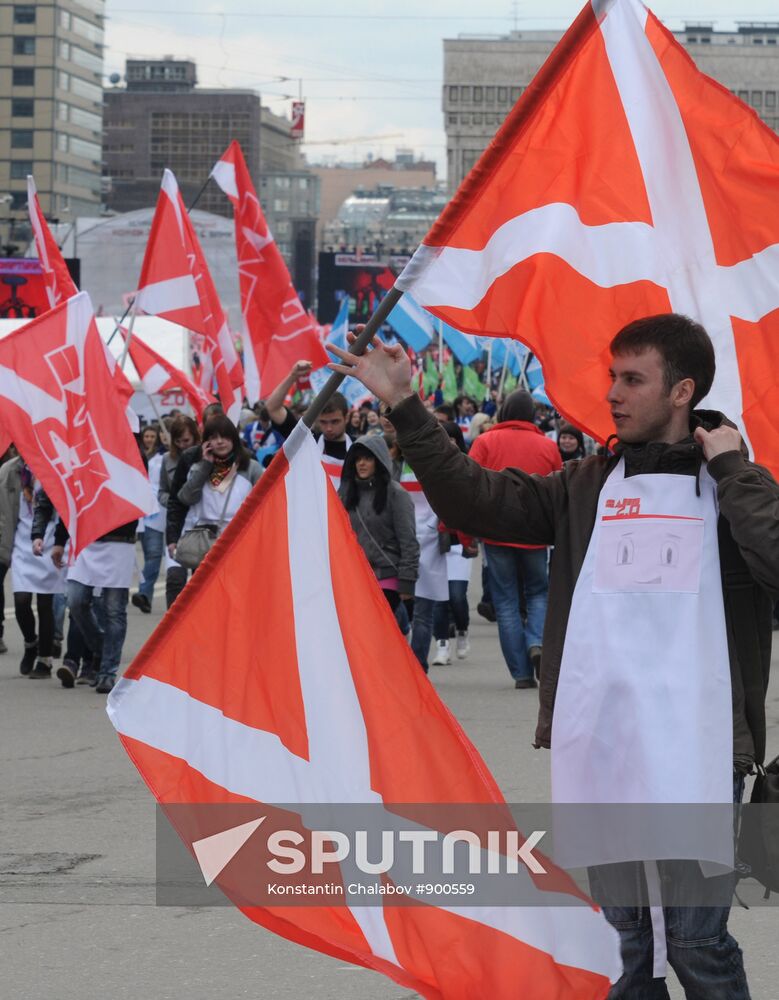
[[78, 919]]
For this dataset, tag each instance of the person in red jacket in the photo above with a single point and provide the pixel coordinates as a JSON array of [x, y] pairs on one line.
[[518, 570]]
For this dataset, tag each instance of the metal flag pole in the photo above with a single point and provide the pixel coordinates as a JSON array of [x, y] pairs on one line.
[[127, 339], [440, 346], [523, 374], [503, 373], [360, 345], [489, 366]]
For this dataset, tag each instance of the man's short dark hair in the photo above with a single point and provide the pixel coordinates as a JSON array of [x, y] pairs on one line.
[[683, 344], [446, 410], [336, 404]]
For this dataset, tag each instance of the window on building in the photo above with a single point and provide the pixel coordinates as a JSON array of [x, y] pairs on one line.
[[283, 183], [503, 95], [757, 41], [705, 40], [281, 228], [20, 169], [82, 88], [516, 93], [477, 118], [24, 13], [18, 201], [465, 94], [87, 30], [743, 95], [63, 50], [280, 205], [770, 99], [478, 95], [692, 39], [770, 41], [490, 95], [63, 80], [65, 19], [23, 77], [22, 107], [24, 46], [86, 119], [303, 183], [452, 119], [757, 98], [453, 94], [86, 59], [21, 138]]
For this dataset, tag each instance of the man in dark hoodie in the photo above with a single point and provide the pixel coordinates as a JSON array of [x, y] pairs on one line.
[[518, 573], [658, 637]]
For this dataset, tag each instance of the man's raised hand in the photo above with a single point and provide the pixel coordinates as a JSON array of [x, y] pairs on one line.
[[385, 370]]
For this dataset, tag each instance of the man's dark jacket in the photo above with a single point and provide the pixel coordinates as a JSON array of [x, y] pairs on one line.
[[560, 509]]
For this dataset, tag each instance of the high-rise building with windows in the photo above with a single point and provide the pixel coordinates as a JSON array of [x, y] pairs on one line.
[[484, 76], [51, 106]]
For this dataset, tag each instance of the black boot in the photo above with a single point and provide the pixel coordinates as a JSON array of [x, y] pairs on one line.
[[28, 660]]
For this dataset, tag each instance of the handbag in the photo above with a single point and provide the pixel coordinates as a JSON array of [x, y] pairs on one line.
[[195, 544], [758, 842]]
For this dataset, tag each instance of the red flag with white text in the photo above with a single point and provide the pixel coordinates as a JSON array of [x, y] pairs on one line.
[[158, 375], [277, 330], [59, 284], [60, 405], [623, 184], [176, 284], [308, 713]]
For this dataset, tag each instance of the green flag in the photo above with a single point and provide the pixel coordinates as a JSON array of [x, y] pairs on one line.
[[509, 383], [450, 381], [473, 385], [430, 377]]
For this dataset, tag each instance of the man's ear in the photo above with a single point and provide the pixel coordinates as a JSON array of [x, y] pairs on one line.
[[682, 392]]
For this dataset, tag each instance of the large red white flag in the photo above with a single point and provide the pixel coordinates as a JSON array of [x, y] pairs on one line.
[[176, 284], [277, 330], [59, 403], [288, 702], [623, 184], [159, 375], [59, 284]]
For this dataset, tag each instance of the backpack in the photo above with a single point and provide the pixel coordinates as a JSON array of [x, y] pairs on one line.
[[758, 842]]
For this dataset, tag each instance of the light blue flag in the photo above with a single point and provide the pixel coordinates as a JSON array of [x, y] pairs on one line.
[[465, 347], [500, 345], [412, 323], [354, 391]]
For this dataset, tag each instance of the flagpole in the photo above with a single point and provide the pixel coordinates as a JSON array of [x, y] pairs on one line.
[[503, 372], [489, 366], [129, 307], [523, 374], [127, 339], [385, 307], [440, 346]]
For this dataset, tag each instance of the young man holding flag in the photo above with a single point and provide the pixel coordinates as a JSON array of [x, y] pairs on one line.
[[657, 642]]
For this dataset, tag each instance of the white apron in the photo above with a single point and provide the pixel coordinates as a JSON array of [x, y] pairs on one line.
[[457, 566], [34, 574], [643, 711], [105, 564], [433, 581]]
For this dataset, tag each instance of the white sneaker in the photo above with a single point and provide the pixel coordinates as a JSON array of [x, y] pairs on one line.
[[442, 656], [462, 645]]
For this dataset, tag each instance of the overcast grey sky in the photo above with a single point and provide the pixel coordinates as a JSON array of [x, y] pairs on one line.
[[374, 74]]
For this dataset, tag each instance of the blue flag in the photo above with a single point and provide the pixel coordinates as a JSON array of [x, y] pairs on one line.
[[412, 323]]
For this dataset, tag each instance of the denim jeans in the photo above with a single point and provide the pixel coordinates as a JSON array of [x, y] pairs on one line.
[[705, 957], [60, 606], [152, 543], [514, 573], [422, 629], [102, 621], [456, 608]]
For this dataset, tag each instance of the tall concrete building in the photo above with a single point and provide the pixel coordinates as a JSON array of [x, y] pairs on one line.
[[51, 106], [484, 76]]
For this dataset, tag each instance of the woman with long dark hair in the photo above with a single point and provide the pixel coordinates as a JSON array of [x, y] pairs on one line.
[[216, 484], [382, 517], [184, 434]]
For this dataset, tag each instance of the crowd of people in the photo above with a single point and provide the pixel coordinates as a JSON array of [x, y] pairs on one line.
[[203, 471]]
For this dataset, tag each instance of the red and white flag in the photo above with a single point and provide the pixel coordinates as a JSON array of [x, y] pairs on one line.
[[308, 713], [176, 284], [159, 375], [623, 184], [59, 284], [59, 403], [277, 330]]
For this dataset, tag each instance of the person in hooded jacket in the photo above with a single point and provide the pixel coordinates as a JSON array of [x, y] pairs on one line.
[[570, 442], [382, 516]]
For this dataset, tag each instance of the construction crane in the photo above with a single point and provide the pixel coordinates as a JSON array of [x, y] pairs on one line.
[[352, 139]]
